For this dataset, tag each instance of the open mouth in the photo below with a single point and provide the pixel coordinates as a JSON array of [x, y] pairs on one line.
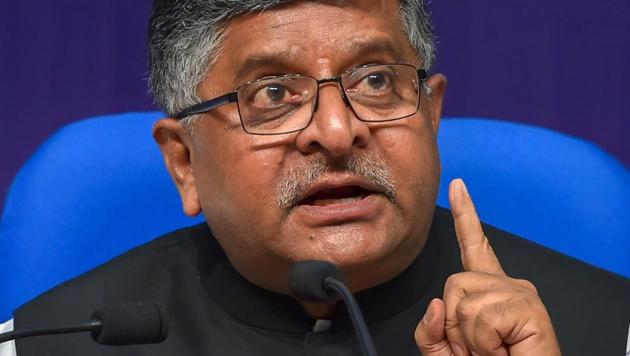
[[337, 195]]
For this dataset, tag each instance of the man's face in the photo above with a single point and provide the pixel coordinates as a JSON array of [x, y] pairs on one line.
[[321, 193]]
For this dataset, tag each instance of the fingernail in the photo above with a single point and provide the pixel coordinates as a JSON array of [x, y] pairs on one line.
[[428, 316], [463, 188], [454, 185], [459, 190]]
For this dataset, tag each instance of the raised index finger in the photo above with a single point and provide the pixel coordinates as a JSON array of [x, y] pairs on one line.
[[477, 254]]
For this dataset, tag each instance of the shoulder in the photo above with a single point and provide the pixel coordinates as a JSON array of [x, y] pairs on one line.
[[589, 306], [143, 273], [552, 270], [163, 252]]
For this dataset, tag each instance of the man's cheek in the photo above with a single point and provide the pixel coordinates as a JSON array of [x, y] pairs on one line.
[[252, 196]]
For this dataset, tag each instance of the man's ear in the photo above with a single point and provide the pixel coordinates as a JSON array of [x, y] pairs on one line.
[[437, 83], [175, 143]]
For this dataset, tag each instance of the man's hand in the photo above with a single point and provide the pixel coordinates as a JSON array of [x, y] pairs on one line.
[[484, 312]]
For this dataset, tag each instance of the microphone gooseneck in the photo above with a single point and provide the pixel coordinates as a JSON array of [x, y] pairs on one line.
[[69, 329], [320, 281]]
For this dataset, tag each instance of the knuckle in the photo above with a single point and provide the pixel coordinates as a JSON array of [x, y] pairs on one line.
[[466, 310], [452, 282], [451, 325], [419, 335], [458, 280], [490, 315], [535, 306], [527, 285]]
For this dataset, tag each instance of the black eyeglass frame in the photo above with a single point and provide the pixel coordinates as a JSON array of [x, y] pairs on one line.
[[232, 97]]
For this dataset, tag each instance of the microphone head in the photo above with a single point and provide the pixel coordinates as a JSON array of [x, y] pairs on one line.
[[306, 280], [130, 324]]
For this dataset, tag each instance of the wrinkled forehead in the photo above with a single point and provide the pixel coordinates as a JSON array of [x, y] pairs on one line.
[[331, 34]]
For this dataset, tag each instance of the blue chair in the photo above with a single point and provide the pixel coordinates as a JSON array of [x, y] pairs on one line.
[[93, 190], [98, 187], [553, 189]]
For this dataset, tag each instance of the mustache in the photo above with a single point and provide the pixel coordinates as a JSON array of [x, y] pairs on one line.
[[294, 184]]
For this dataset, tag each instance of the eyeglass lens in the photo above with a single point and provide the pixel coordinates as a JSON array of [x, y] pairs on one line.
[[284, 104]]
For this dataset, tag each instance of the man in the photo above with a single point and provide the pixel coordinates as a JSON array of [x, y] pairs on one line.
[[307, 130]]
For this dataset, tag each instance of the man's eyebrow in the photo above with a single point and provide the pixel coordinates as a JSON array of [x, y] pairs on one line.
[[363, 48], [256, 62]]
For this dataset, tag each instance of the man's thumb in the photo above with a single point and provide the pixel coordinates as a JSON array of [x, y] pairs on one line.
[[430, 335]]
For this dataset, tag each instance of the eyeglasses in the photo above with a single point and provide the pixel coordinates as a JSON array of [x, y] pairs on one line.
[[283, 104]]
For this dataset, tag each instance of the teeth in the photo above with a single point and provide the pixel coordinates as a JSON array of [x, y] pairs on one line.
[[320, 202]]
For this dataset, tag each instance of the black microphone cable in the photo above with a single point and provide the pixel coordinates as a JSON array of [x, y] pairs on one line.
[[355, 314], [92, 325]]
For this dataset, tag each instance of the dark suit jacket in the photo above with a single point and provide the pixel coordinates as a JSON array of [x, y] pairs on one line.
[[212, 310]]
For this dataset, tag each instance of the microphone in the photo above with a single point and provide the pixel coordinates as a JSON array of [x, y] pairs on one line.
[[320, 281], [130, 324], [118, 324]]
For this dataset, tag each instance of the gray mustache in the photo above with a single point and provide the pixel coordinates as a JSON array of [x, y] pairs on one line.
[[298, 180]]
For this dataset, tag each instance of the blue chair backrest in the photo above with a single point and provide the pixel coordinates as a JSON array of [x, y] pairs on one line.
[[93, 190], [99, 187], [550, 188]]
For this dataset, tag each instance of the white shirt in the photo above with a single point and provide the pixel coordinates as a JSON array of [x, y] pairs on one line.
[[7, 348]]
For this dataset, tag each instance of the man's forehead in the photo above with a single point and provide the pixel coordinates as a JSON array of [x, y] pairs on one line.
[[286, 57], [291, 34]]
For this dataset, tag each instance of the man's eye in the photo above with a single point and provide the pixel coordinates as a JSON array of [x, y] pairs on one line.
[[275, 93], [375, 83], [272, 96]]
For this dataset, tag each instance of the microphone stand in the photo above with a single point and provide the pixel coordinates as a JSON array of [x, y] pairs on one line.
[[91, 326]]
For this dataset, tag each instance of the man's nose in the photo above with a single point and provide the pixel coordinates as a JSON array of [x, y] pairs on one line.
[[334, 129]]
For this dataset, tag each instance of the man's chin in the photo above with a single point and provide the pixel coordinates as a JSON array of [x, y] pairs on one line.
[[350, 246], [348, 233]]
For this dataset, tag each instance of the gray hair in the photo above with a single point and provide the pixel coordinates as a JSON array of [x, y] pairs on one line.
[[185, 36], [297, 181]]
